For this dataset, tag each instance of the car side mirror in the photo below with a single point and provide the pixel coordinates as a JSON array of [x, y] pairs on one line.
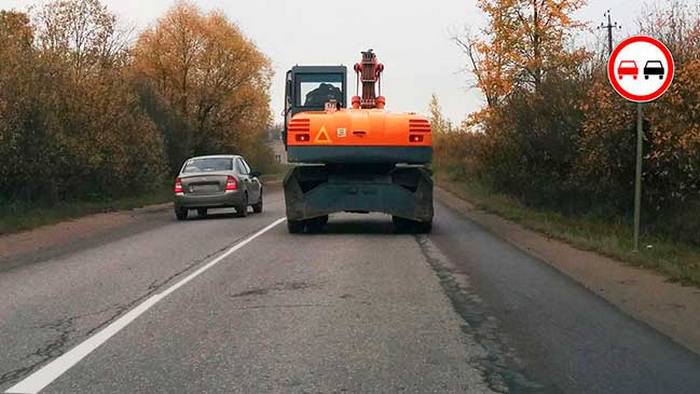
[[255, 174]]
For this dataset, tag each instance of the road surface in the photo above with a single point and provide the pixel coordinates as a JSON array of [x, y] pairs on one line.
[[229, 304]]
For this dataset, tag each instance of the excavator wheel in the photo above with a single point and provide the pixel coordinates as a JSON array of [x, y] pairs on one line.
[[407, 226], [316, 225], [424, 227], [295, 226]]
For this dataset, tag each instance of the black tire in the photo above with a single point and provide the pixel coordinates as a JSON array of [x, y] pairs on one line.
[[202, 212], [407, 226], [316, 225], [242, 210], [424, 227], [181, 213], [401, 225], [295, 226], [258, 207]]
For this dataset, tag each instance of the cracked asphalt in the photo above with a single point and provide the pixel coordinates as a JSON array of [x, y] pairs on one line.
[[354, 309]]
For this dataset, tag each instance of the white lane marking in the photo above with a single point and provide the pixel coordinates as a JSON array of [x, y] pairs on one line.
[[53, 370]]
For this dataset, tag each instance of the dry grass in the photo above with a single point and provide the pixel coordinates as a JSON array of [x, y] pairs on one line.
[[16, 217]]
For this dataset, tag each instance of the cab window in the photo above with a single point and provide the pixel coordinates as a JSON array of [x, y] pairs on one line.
[[314, 90]]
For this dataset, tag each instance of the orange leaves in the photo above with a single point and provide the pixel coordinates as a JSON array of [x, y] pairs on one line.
[[210, 74], [555, 134], [524, 40]]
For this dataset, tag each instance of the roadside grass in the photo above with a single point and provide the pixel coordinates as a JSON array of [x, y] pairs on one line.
[[15, 217], [679, 261]]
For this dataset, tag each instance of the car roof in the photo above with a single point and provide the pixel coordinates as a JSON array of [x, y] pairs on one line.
[[215, 157], [628, 61]]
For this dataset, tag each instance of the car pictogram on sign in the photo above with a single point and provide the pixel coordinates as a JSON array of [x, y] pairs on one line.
[[628, 67], [654, 67]]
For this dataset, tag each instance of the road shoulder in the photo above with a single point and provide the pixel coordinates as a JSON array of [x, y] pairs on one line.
[[55, 239], [670, 308]]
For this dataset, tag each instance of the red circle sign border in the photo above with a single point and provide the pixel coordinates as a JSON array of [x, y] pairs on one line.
[[633, 97]]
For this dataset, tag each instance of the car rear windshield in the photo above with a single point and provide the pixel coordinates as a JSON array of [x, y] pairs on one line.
[[209, 164]]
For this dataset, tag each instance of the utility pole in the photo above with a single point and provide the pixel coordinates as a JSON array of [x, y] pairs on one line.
[[640, 139], [610, 26]]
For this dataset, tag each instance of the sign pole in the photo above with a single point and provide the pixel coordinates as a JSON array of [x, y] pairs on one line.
[[639, 85], [638, 177]]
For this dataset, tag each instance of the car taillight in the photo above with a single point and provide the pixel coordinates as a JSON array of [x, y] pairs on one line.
[[415, 138], [302, 138], [178, 186], [231, 183]]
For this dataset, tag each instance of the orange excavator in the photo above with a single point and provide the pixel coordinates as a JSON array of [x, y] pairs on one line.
[[360, 159]]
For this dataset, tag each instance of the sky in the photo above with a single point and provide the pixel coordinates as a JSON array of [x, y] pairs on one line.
[[411, 38]]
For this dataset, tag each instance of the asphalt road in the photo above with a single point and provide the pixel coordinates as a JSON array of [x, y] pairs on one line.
[[228, 304]]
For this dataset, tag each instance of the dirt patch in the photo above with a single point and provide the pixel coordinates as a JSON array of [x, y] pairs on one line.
[[70, 231], [670, 308]]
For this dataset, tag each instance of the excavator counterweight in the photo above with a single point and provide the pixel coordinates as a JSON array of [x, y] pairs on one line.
[[359, 159]]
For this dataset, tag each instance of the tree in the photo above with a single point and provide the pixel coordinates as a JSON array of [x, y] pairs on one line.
[[439, 123], [68, 116], [16, 88], [203, 67], [523, 42], [83, 33]]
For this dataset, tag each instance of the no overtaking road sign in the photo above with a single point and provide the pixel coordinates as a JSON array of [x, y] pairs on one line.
[[641, 69]]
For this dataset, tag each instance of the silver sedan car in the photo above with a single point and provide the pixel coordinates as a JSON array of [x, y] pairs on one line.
[[220, 181]]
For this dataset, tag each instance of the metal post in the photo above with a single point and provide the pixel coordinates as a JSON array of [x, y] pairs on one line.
[[638, 178]]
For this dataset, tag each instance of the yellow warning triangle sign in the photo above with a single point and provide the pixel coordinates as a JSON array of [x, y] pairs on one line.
[[322, 137]]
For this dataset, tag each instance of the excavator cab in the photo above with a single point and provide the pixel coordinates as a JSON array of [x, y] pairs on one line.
[[309, 88]]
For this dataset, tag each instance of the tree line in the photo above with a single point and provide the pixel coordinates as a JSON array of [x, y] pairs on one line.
[[553, 133], [89, 111]]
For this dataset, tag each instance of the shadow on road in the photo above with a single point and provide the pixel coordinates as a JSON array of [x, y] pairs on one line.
[[358, 226]]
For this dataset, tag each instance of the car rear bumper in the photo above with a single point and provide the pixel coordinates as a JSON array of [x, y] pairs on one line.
[[222, 200]]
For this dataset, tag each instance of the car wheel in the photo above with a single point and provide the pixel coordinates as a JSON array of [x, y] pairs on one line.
[[258, 207], [295, 226], [242, 210], [646, 77], [202, 212], [181, 213]]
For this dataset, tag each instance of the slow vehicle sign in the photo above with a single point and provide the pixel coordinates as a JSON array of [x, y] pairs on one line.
[[641, 69]]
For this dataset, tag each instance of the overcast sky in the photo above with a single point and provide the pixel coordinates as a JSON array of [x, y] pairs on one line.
[[411, 38]]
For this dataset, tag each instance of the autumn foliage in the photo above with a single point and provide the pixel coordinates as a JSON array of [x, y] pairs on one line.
[[205, 71], [555, 135], [86, 112]]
